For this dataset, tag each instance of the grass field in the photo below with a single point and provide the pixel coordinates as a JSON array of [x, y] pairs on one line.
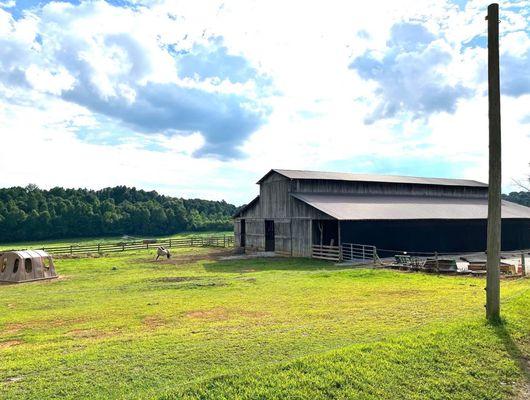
[[125, 327]]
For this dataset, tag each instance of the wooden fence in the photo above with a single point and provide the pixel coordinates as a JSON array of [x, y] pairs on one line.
[[191, 241], [331, 253]]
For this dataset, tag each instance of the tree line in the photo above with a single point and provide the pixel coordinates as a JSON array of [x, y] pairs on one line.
[[30, 213], [522, 197]]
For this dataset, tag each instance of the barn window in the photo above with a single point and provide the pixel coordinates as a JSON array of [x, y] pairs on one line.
[[15, 266], [28, 265], [4, 264]]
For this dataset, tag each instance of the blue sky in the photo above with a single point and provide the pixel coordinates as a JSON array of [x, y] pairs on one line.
[[199, 99]]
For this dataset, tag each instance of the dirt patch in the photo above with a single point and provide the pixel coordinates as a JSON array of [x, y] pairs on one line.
[[153, 322], [179, 259], [13, 328], [215, 314], [188, 282], [524, 390], [10, 343], [223, 314], [402, 293], [88, 334], [13, 379], [177, 279], [55, 323], [78, 255]]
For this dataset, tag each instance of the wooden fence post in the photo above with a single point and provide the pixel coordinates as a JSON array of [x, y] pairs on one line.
[[71, 249], [169, 242], [436, 260], [99, 248], [523, 264]]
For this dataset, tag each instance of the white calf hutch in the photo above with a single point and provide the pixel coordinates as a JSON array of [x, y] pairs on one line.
[[26, 266]]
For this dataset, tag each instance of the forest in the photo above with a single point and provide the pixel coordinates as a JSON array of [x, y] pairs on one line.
[[30, 213], [522, 198]]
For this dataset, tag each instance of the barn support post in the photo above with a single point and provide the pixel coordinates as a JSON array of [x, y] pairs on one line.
[[494, 188], [339, 240]]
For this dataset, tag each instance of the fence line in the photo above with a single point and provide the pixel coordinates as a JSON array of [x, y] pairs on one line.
[[191, 241]]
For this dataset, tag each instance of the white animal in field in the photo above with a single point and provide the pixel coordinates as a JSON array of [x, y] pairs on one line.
[[162, 252]]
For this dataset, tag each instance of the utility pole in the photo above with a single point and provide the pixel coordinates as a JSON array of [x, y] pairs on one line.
[[494, 189]]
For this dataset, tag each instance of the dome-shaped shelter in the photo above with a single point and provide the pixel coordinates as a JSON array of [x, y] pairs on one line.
[[26, 266]]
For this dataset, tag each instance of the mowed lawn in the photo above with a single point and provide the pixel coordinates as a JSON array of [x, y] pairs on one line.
[[126, 327]]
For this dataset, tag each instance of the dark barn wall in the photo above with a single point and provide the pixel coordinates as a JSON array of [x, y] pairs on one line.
[[433, 235], [329, 232]]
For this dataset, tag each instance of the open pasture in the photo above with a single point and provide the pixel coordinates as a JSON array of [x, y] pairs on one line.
[[125, 326]]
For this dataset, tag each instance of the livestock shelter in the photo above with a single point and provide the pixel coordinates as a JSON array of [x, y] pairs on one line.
[[26, 266], [297, 210]]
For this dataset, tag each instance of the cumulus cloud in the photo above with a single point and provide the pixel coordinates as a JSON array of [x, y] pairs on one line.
[[89, 55], [214, 61], [410, 75]]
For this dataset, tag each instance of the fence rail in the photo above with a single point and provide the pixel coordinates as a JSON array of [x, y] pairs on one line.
[[191, 241], [346, 252], [358, 252], [331, 253]]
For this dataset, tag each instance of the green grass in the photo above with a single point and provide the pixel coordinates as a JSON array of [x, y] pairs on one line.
[[96, 240], [125, 327]]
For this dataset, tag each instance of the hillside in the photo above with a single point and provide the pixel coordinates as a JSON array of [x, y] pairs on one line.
[[30, 213]]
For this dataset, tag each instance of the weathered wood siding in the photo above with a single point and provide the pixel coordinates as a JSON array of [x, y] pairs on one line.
[[282, 236], [381, 188], [301, 230], [255, 234], [299, 209], [274, 197], [237, 232]]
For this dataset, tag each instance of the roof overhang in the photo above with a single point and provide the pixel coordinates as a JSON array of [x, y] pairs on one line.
[[366, 207]]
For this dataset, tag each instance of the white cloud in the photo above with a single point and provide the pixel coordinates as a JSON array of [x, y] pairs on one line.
[[317, 104]]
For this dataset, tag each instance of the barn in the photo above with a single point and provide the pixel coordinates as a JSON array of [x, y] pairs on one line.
[[298, 210]]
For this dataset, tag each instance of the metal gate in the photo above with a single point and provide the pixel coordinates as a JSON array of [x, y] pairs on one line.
[[359, 252]]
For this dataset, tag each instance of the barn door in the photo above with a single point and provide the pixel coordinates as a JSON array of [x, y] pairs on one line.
[[269, 235], [243, 231]]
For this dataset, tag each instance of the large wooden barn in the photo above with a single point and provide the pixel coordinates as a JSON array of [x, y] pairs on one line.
[[296, 210]]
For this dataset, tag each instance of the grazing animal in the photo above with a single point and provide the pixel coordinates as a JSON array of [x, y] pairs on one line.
[[161, 252]]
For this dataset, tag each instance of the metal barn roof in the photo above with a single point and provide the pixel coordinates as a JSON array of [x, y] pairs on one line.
[[364, 207], [343, 176]]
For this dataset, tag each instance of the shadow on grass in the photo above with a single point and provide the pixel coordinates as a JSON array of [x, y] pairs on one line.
[[269, 264], [513, 350]]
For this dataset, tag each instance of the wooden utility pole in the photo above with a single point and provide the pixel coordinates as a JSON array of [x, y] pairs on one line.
[[494, 190]]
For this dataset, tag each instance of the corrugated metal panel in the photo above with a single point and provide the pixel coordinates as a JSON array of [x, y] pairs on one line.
[[345, 207], [342, 176]]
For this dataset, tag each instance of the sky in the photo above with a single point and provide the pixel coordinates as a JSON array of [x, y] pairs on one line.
[[202, 98]]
